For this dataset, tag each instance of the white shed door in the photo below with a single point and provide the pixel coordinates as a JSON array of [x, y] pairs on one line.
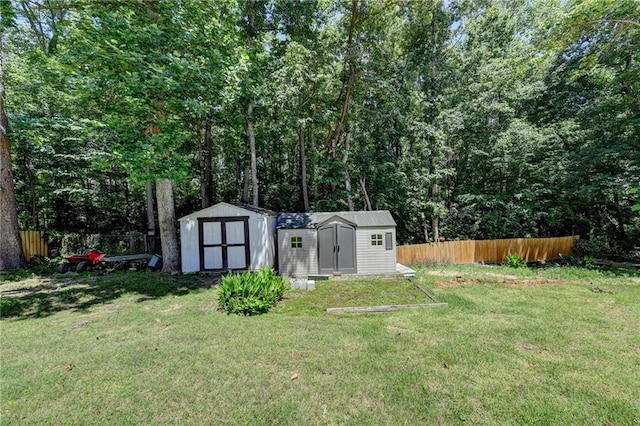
[[224, 243]]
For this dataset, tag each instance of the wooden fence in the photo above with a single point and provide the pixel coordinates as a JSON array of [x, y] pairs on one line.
[[34, 244], [485, 251]]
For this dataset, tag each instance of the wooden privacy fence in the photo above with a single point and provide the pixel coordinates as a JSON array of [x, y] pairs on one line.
[[485, 251], [34, 244]]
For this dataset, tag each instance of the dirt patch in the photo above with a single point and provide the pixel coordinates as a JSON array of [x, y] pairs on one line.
[[444, 273], [534, 283], [531, 348], [455, 283], [501, 276]]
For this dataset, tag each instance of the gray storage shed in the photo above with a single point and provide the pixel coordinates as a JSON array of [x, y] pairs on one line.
[[336, 243], [227, 237]]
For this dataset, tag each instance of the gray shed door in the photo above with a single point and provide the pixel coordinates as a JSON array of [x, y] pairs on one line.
[[337, 249], [224, 243]]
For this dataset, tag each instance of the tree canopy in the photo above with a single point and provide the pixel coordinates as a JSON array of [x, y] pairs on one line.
[[466, 119]]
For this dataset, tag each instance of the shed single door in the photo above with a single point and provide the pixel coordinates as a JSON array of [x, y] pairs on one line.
[[337, 249], [224, 243]]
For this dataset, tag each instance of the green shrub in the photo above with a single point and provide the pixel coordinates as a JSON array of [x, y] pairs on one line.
[[515, 261], [589, 261], [567, 260], [250, 293]]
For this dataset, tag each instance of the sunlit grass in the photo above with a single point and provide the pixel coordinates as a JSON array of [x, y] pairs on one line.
[[351, 292], [507, 351]]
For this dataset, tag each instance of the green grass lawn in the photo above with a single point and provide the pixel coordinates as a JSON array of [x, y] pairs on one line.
[[512, 347]]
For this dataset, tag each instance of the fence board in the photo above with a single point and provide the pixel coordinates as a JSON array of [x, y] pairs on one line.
[[485, 251], [34, 244]]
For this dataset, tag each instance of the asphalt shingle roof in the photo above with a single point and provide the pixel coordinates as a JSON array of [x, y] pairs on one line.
[[377, 218]]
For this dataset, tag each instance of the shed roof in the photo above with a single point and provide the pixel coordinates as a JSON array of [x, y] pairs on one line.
[[256, 209], [206, 211], [377, 218]]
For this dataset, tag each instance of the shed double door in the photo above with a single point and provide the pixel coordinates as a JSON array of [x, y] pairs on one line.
[[337, 249], [224, 243]]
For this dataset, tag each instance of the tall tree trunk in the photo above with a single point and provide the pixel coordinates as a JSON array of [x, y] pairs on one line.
[[167, 221], [425, 227], [333, 136], [245, 185], [303, 169], [11, 255], [251, 137], [620, 216], [347, 177], [435, 229], [151, 218], [252, 32], [206, 177], [365, 195]]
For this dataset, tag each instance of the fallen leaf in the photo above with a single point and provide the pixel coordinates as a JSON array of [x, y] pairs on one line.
[[68, 367], [295, 376]]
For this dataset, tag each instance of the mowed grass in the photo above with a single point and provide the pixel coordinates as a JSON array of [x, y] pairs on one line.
[[504, 351]]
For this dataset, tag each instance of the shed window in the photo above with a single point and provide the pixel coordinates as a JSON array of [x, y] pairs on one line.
[[376, 239], [388, 240], [296, 242]]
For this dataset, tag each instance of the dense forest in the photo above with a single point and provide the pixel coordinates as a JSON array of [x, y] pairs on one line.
[[466, 119]]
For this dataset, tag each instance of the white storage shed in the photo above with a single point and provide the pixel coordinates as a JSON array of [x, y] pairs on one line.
[[228, 237], [336, 243]]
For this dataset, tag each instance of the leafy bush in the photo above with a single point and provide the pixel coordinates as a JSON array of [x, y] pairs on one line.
[[250, 293], [589, 261], [600, 250], [592, 248], [515, 261], [567, 260]]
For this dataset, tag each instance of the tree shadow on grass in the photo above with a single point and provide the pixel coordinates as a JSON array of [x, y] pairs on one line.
[[41, 296], [629, 272]]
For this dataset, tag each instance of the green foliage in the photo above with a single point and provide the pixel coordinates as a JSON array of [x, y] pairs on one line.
[[636, 192], [515, 261], [589, 261], [568, 259], [592, 248], [250, 293], [518, 120]]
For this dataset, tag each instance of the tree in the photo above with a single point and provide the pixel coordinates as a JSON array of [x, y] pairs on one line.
[[594, 86], [11, 255]]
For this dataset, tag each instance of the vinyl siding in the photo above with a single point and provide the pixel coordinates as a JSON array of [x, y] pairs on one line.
[[297, 262], [375, 259], [261, 236]]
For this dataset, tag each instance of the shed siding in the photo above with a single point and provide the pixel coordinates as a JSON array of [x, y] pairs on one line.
[[375, 259], [261, 236], [189, 251], [298, 262]]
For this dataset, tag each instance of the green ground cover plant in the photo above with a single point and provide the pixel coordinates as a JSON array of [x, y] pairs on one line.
[[515, 261], [539, 347], [250, 293]]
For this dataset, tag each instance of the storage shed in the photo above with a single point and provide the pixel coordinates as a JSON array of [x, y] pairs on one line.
[[336, 243], [227, 237]]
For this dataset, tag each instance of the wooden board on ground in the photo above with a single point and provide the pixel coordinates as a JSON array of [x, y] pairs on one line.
[[127, 258]]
